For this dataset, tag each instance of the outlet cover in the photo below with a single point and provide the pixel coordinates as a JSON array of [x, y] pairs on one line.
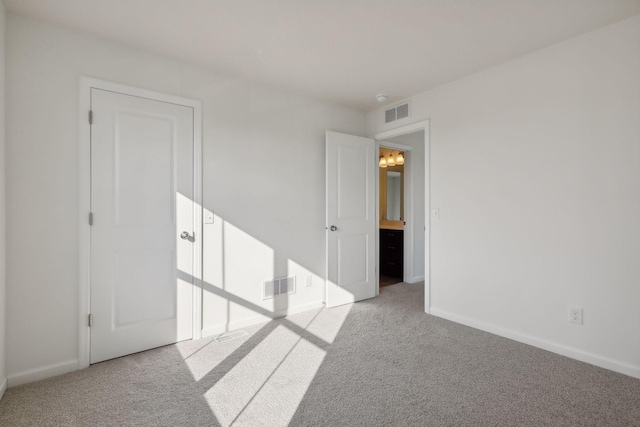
[[575, 315]]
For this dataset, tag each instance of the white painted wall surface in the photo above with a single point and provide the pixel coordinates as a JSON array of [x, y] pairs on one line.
[[263, 177], [535, 166], [3, 309]]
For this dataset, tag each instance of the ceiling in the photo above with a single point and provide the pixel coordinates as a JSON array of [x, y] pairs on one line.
[[345, 51]]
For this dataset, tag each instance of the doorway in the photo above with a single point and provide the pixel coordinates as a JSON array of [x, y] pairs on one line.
[[141, 248], [353, 212], [391, 223], [413, 139]]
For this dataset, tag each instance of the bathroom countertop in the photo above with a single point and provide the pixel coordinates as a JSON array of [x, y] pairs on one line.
[[391, 225]]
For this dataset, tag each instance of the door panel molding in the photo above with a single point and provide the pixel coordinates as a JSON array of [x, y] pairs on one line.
[[84, 169]]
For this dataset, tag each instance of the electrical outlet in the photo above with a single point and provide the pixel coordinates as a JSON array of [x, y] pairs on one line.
[[575, 315], [308, 282]]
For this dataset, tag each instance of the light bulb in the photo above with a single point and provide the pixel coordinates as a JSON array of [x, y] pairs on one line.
[[400, 159], [383, 162], [391, 161]]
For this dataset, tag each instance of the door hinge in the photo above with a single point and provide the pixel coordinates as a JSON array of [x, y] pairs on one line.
[[90, 117], [90, 218], [91, 320]]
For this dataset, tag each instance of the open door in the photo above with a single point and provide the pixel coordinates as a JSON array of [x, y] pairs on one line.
[[351, 222]]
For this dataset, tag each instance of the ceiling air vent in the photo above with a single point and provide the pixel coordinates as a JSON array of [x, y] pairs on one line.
[[396, 113]]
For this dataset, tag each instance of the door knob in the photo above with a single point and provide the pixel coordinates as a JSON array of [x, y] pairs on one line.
[[333, 228], [186, 236]]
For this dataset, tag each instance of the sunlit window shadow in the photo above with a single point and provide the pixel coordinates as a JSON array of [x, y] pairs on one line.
[[265, 375], [241, 382]]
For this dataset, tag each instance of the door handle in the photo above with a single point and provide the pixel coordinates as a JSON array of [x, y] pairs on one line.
[[186, 236], [333, 228]]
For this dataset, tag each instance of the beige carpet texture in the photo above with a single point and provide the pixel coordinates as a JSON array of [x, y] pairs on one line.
[[381, 362]]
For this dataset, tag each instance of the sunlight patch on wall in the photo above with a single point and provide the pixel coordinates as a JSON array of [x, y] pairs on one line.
[[247, 263], [234, 269]]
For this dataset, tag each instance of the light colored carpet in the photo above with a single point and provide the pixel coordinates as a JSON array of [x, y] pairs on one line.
[[380, 362]]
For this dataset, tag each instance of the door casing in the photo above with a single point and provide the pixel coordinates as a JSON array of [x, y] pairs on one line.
[[84, 165]]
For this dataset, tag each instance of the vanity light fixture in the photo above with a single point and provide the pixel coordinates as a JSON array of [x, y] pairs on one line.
[[400, 158], [391, 161], [383, 162]]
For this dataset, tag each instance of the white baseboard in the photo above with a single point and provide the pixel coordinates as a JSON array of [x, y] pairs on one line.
[[3, 387], [214, 330], [42, 373], [415, 279], [221, 328], [583, 356]]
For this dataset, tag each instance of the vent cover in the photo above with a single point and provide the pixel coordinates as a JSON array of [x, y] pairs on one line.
[[396, 113], [286, 285], [231, 335], [402, 111], [390, 115]]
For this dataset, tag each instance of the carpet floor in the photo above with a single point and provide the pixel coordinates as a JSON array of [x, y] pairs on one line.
[[381, 362]]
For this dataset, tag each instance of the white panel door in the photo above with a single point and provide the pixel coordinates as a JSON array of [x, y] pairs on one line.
[[351, 223], [142, 190]]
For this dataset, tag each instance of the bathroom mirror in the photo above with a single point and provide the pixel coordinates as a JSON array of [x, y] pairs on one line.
[[394, 195]]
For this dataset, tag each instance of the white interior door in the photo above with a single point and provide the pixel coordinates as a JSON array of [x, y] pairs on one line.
[[142, 187], [351, 223]]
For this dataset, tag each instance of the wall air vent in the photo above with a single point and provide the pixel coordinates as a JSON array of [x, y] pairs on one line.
[[231, 335], [396, 113], [390, 115], [286, 285], [402, 111]]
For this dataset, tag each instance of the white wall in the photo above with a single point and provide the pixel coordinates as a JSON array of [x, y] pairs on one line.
[[263, 177], [416, 141], [535, 166], [3, 372]]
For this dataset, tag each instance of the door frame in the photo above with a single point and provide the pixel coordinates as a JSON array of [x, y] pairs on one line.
[[402, 130], [408, 271], [84, 178]]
